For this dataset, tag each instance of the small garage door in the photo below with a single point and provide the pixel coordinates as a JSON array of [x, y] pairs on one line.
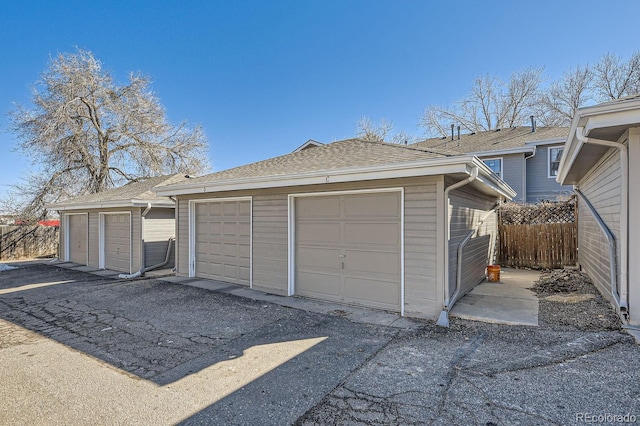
[[223, 241], [348, 249], [117, 242], [77, 241]]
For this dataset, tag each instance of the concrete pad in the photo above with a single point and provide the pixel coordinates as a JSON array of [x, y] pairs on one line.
[[157, 273], [176, 280], [504, 290], [85, 269], [107, 273], [496, 309], [207, 284], [523, 278]]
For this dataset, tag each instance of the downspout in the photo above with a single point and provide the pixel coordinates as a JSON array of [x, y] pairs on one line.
[[611, 239], [166, 258], [623, 295], [141, 270], [524, 172], [461, 246], [443, 319]]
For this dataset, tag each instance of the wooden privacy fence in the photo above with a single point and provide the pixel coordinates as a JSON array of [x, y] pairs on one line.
[[538, 236], [19, 242]]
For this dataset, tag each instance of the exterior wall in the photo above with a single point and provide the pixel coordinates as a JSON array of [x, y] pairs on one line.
[[539, 185], [94, 235], [513, 173], [159, 226], [634, 227], [467, 208], [270, 266], [601, 186], [62, 248]]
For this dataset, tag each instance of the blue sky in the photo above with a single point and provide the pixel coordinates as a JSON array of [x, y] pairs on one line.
[[263, 77]]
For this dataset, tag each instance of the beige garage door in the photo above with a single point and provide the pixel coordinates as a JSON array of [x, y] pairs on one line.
[[77, 238], [117, 242], [348, 249], [222, 241]]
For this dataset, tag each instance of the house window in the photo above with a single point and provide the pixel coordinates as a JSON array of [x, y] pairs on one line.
[[494, 164], [555, 154]]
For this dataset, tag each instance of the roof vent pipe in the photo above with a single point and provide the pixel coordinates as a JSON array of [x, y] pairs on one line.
[[533, 124], [452, 127]]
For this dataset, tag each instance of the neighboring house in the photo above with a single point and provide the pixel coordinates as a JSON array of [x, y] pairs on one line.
[[357, 222], [601, 159], [125, 229], [526, 158]]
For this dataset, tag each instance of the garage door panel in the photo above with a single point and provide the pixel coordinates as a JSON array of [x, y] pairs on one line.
[[373, 206], [348, 250], [372, 233], [314, 258], [372, 263], [318, 207], [320, 285], [117, 242], [77, 240], [318, 233], [223, 247], [379, 294]]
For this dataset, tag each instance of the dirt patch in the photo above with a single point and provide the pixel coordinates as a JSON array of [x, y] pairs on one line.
[[569, 300]]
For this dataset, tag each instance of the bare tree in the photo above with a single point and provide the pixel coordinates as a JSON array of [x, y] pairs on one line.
[[491, 104], [557, 106], [613, 78], [86, 133], [368, 131]]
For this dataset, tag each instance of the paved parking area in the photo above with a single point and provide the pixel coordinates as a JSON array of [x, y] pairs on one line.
[[77, 348]]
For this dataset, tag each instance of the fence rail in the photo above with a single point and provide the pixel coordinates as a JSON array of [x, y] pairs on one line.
[[538, 236], [19, 242]]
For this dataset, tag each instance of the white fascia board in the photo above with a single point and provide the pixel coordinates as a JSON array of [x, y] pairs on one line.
[[595, 117], [547, 141], [517, 150], [110, 205], [448, 165]]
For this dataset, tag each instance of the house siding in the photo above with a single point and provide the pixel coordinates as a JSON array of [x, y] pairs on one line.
[[159, 226], [270, 235], [539, 185], [601, 186], [467, 208], [634, 227], [513, 173]]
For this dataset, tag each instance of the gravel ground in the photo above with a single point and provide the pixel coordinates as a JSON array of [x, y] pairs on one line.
[[570, 301]]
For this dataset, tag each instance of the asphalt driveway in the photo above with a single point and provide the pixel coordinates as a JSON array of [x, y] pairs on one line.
[[83, 349]]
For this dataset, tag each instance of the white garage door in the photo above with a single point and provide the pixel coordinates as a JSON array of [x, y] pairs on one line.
[[117, 242], [348, 249], [77, 240], [222, 241]]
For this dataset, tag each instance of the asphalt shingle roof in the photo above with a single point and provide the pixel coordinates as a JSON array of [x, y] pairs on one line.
[[350, 153], [494, 140], [131, 191]]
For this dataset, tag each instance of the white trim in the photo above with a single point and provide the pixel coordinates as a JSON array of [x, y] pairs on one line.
[[549, 141], [110, 204], [192, 230], [501, 175], [438, 166], [67, 252], [506, 151], [549, 161], [101, 239], [291, 232], [307, 144]]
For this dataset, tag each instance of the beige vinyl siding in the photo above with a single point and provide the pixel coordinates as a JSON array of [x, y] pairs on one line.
[[159, 226], [420, 250], [270, 237], [270, 243], [62, 232], [601, 186], [467, 208], [94, 239]]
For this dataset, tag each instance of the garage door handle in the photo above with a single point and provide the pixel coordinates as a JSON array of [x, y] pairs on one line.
[[343, 255]]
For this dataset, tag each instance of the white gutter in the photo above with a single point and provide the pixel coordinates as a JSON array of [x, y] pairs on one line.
[[624, 211], [109, 204], [443, 319]]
